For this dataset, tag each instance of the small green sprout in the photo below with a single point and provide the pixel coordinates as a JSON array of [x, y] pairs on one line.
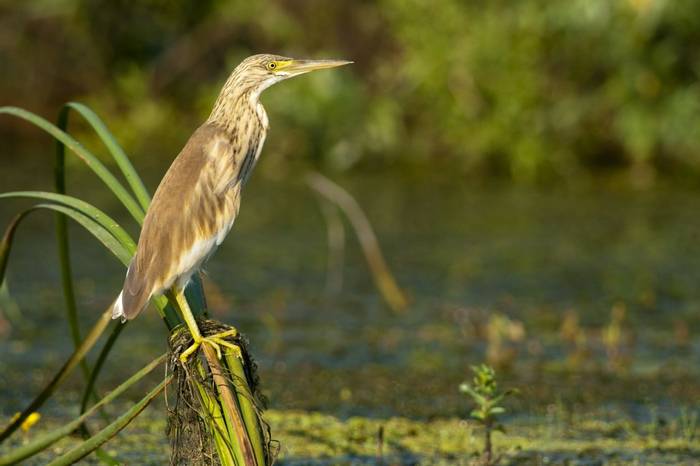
[[485, 394]]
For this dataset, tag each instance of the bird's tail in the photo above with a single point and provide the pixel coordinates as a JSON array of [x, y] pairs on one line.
[[133, 298], [118, 308]]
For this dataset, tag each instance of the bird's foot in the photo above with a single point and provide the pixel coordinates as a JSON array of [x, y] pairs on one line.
[[216, 341]]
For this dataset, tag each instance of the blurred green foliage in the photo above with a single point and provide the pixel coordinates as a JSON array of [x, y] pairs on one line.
[[529, 90]]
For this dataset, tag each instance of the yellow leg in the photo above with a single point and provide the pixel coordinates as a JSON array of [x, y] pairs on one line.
[[216, 341]]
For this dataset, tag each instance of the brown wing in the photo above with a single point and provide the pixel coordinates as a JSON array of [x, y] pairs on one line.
[[190, 204]]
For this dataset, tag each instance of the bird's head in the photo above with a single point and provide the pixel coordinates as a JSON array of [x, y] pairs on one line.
[[261, 71]]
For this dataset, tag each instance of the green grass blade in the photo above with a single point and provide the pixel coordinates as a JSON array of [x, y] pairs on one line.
[[111, 430], [86, 156], [64, 255], [63, 247], [84, 208], [40, 443], [60, 376], [9, 309], [104, 236], [99, 232], [132, 177], [99, 363], [69, 301], [7, 238]]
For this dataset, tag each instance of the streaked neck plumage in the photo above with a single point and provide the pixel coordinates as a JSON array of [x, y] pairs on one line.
[[240, 99]]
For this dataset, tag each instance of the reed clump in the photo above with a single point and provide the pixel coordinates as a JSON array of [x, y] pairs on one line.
[[201, 424]]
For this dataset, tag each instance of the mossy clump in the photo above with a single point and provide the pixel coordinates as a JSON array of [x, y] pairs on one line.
[[190, 421]]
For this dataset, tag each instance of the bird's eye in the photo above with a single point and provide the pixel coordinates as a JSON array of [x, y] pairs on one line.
[[271, 66]]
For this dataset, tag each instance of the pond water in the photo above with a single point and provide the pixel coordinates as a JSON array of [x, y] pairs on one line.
[[588, 297]]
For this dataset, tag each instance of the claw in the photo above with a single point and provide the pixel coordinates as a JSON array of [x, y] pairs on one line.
[[235, 348], [216, 341]]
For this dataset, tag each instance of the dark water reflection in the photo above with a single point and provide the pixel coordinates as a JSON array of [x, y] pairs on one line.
[[463, 253]]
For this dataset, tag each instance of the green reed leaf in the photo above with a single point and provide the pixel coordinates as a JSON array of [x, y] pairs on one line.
[[43, 441], [60, 376], [84, 208], [110, 142], [86, 156], [94, 442]]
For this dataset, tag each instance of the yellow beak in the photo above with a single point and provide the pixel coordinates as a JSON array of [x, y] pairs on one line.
[[297, 67]]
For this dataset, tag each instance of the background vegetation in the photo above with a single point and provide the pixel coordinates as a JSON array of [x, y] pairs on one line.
[[530, 90]]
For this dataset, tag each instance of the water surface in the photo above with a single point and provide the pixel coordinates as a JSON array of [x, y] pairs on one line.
[[464, 254]]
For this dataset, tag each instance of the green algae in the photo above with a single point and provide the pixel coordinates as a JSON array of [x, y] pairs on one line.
[[315, 438]]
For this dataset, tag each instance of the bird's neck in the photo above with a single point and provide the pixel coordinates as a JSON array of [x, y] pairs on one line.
[[236, 103]]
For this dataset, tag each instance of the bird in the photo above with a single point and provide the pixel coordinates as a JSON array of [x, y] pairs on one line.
[[198, 198]]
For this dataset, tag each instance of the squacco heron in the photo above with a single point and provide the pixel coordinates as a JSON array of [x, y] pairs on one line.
[[197, 200]]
